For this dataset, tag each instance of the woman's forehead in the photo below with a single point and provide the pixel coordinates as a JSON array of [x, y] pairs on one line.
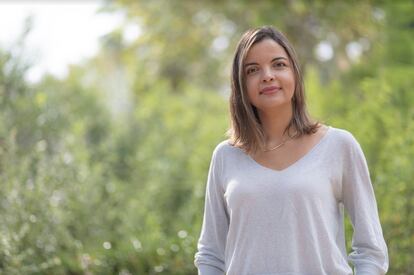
[[265, 49]]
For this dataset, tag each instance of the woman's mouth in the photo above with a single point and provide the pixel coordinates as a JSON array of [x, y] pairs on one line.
[[270, 90]]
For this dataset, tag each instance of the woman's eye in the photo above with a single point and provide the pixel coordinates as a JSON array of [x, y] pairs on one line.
[[251, 70], [279, 64]]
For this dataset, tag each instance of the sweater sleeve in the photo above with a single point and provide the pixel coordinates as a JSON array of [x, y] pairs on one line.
[[209, 258], [369, 251]]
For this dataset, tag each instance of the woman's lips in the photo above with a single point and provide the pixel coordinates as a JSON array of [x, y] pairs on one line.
[[270, 90]]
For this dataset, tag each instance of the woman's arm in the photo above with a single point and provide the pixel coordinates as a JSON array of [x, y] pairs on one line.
[[369, 251], [212, 242]]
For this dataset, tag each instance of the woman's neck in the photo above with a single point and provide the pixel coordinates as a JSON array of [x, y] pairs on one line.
[[275, 122]]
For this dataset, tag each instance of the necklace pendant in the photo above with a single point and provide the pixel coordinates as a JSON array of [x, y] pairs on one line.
[[274, 148]]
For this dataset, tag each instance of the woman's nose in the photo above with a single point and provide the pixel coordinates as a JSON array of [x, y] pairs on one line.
[[267, 75]]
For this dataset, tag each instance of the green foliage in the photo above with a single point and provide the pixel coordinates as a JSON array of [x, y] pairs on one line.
[[89, 188], [86, 194]]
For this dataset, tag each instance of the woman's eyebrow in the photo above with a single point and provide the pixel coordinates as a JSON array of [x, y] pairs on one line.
[[273, 60]]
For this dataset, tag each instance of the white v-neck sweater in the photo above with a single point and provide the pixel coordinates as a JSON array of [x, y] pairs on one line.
[[260, 221]]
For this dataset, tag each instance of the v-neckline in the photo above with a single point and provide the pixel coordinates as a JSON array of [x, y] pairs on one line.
[[297, 161]]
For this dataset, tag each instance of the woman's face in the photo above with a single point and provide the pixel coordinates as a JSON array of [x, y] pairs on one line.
[[269, 75]]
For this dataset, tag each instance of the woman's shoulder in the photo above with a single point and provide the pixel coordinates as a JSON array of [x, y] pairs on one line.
[[343, 137], [224, 146], [224, 152]]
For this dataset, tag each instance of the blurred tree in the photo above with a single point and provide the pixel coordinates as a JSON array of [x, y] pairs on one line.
[[190, 41], [373, 100]]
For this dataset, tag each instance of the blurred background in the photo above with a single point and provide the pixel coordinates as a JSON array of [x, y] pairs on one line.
[[110, 111]]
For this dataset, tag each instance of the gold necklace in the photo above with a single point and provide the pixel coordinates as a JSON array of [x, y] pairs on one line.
[[279, 145]]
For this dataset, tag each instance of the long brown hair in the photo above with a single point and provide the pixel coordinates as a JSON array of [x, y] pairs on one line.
[[246, 131]]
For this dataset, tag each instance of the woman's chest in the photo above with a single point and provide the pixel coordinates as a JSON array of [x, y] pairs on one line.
[[249, 184]]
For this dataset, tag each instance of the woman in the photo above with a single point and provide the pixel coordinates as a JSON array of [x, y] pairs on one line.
[[277, 188]]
